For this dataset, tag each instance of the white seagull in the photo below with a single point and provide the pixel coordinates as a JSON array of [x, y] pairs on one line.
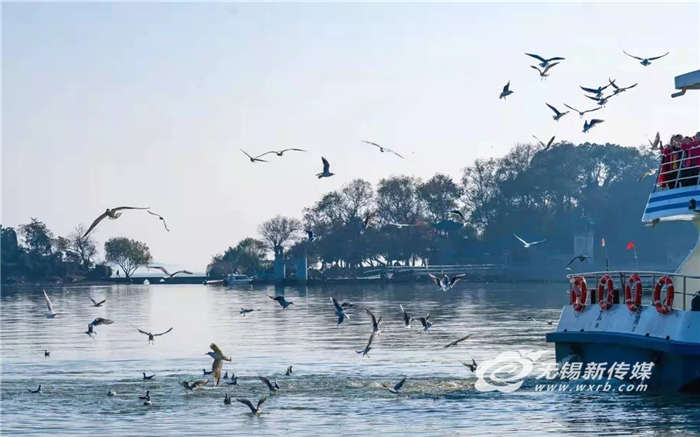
[[645, 61], [446, 283], [253, 159], [598, 92], [506, 91], [395, 389], [50, 314], [112, 214], [589, 125], [282, 152], [365, 351], [543, 73], [96, 303], [545, 147], [557, 115], [326, 169], [282, 301], [151, 336], [582, 112], [458, 213], [619, 89], [255, 409], [383, 149], [406, 318], [270, 386], [544, 62], [191, 386], [456, 342], [160, 217], [527, 245], [376, 323], [367, 221], [425, 321], [339, 311], [218, 363], [170, 275]]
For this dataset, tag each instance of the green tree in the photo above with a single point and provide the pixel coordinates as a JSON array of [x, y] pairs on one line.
[[127, 254], [84, 248], [439, 195]]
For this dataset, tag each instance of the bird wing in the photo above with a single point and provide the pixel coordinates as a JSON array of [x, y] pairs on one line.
[[395, 153], [95, 223], [536, 68], [216, 370], [119, 208], [538, 242], [505, 88], [336, 305], [435, 279], [556, 58], [101, 321], [153, 213], [369, 216], [595, 98], [184, 272], [398, 386], [405, 314], [550, 66], [556, 111], [266, 382], [162, 269], [541, 143], [658, 57], [457, 212], [49, 305], [591, 110], [163, 333], [371, 337], [549, 144], [374, 144], [246, 154], [612, 82], [456, 278], [200, 383], [632, 56], [142, 332], [248, 403], [261, 401], [216, 349], [647, 173], [536, 57], [573, 109], [571, 261], [589, 90], [294, 150], [371, 316], [269, 153], [101, 302], [521, 240], [595, 121], [94, 302], [326, 165], [630, 87]]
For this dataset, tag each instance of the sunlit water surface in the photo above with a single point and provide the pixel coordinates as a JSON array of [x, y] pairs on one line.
[[333, 390]]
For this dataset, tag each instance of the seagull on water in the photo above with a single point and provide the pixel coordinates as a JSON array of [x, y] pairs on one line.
[[50, 314], [446, 283], [406, 318], [289, 371], [234, 379], [255, 409], [366, 222], [395, 389], [309, 236], [589, 125], [146, 399], [383, 149], [506, 91], [471, 366], [376, 323], [527, 245], [96, 303], [543, 73], [456, 342], [458, 213], [193, 385], [111, 393], [581, 258], [545, 147], [645, 61], [339, 311], [148, 377], [545, 62], [161, 219], [557, 115], [365, 351], [583, 112], [112, 214], [326, 169], [170, 275], [272, 387], [205, 373], [38, 390], [245, 311], [151, 336], [227, 399], [218, 363], [47, 354], [253, 160], [283, 151], [282, 301], [425, 321]]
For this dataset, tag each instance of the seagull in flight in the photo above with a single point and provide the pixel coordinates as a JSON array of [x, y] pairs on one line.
[[471, 366], [367, 221], [557, 115], [282, 152], [218, 363], [397, 388], [112, 214], [602, 101], [581, 258], [365, 351], [50, 313], [645, 61], [545, 62], [527, 245], [161, 219], [458, 213], [406, 318], [656, 144], [347, 305], [425, 321], [545, 147], [282, 301], [38, 390], [289, 371], [446, 283], [255, 409], [589, 125], [245, 311], [619, 89], [326, 167], [270, 386], [543, 73], [456, 342], [310, 236], [96, 303], [598, 92], [648, 173], [376, 323], [383, 149], [193, 385], [582, 112], [253, 159], [47, 353], [151, 336], [339, 311], [170, 275], [506, 91]]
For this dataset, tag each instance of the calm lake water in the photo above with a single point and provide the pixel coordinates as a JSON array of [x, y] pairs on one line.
[[333, 390]]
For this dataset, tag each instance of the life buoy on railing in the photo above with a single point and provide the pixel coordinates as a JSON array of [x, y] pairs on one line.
[[667, 305], [579, 293], [634, 282], [607, 303]]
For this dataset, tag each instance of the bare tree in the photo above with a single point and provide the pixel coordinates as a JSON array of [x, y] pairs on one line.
[[83, 247], [279, 232]]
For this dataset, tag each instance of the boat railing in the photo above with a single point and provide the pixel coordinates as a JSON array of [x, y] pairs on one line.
[[681, 170], [648, 278], [437, 269]]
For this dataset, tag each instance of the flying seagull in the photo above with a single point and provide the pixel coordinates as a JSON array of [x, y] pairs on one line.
[[255, 409], [47, 354], [339, 311], [589, 125], [112, 214], [445, 283], [38, 390], [96, 303], [270, 386], [383, 149], [454, 343], [582, 112], [245, 311], [151, 336], [191, 386], [282, 152], [400, 225], [406, 318], [161, 219], [527, 245], [218, 363], [253, 160], [310, 236], [545, 147], [282, 301], [557, 115], [397, 388], [646, 61], [168, 274], [647, 173], [347, 305], [289, 371], [619, 89], [506, 91], [326, 167], [425, 321], [471, 366], [366, 221], [601, 101], [656, 144], [543, 73], [544, 62], [581, 258], [365, 351], [50, 314], [148, 377], [598, 92], [101, 321], [457, 213], [376, 323]]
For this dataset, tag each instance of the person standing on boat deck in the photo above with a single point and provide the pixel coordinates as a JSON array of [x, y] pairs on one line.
[[695, 159], [685, 179], [665, 173]]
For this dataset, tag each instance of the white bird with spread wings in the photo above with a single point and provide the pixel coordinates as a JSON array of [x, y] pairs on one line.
[[527, 245]]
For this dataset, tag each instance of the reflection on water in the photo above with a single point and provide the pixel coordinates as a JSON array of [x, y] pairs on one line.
[[331, 384]]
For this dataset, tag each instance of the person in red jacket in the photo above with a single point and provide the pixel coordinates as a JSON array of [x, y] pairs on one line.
[[665, 174]]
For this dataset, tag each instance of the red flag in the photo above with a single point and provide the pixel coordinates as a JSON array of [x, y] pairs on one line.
[[630, 245], [602, 243]]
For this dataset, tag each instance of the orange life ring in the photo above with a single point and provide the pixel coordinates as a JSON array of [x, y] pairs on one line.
[[579, 293], [633, 304], [607, 303], [667, 306]]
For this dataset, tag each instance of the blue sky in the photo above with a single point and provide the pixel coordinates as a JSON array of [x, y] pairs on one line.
[[148, 104]]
